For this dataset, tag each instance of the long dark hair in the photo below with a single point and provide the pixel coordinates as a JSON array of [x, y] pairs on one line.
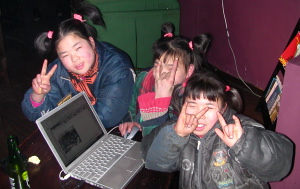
[[46, 46]]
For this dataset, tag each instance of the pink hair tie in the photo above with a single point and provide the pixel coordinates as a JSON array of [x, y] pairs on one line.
[[184, 84], [168, 35], [49, 34], [191, 45], [78, 17], [227, 88]]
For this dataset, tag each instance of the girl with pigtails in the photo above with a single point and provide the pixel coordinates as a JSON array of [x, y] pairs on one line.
[[83, 64], [175, 59], [213, 145]]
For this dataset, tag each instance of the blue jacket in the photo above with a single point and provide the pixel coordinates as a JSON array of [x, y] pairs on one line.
[[113, 87], [258, 157]]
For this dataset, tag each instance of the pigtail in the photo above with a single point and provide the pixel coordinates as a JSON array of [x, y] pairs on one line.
[[234, 99], [43, 45], [200, 45], [84, 8], [91, 12], [167, 30]]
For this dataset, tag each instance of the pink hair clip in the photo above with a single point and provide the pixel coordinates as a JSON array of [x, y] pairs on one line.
[[184, 84], [49, 34], [78, 17], [227, 88], [191, 45], [168, 35]]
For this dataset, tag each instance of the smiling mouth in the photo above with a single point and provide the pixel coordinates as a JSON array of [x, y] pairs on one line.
[[200, 125], [80, 66]]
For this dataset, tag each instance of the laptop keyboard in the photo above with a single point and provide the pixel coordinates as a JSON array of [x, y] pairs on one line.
[[98, 163]]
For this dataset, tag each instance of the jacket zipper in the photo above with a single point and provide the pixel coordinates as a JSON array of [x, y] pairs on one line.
[[64, 78], [198, 146]]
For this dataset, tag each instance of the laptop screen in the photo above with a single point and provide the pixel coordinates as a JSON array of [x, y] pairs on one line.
[[72, 129]]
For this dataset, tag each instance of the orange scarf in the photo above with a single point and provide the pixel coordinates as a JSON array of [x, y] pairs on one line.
[[84, 82]]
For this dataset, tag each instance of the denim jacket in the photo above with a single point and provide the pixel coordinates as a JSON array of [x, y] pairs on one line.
[[258, 157], [113, 87]]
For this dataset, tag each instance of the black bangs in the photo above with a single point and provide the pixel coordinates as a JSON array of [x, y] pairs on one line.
[[196, 89], [204, 84]]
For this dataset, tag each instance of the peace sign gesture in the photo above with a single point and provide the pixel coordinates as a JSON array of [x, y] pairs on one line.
[[231, 132], [41, 84], [187, 123], [164, 81]]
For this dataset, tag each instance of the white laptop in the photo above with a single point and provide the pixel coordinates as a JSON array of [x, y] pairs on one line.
[[75, 135]]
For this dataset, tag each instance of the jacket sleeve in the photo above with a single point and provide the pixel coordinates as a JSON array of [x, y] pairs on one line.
[[115, 89], [50, 101], [265, 153], [133, 109], [162, 147]]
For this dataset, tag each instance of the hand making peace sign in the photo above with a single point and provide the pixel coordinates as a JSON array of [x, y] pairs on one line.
[[41, 84], [164, 81], [231, 132]]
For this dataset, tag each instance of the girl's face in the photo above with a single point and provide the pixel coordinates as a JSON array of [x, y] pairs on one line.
[[76, 54], [181, 73], [207, 121]]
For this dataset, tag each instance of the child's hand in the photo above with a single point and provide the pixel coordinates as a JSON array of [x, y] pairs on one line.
[[164, 82], [231, 132], [41, 84], [127, 126], [187, 123]]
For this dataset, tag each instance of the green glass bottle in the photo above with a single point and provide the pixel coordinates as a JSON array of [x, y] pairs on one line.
[[18, 175]]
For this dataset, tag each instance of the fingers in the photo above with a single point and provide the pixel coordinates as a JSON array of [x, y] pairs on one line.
[[201, 113], [227, 129], [174, 68], [51, 72], [44, 68], [183, 109], [219, 133], [237, 121], [221, 119], [189, 120], [157, 70], [122, 129], [127, 127]]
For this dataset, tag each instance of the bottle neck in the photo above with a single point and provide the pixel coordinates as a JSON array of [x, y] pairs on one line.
[[13, 150]]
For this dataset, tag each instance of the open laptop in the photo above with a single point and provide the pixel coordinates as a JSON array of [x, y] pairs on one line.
[[74, 133]]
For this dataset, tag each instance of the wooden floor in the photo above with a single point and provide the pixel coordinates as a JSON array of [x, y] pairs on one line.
[[24, 65]]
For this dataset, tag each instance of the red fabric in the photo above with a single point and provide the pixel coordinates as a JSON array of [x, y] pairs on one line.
[[148, 83], [150, 104]]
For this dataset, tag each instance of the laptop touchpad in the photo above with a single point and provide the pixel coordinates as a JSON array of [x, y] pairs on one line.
[[121, 173]]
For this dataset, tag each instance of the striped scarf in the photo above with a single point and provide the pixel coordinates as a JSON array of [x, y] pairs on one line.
[[84, 82]]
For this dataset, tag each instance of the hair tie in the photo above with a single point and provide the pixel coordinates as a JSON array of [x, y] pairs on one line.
[[78, 17], [191, 45], [184, 84], [227, 88], [49, 34], [168, 35]]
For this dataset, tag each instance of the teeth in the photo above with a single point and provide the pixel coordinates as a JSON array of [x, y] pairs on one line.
[[200, 125]]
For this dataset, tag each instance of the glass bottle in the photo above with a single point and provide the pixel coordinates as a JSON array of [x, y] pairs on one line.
[[18, 175]]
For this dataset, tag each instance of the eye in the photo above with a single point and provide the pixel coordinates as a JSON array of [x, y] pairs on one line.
[[191, 106], [64, 56], [78, 48], [210, 108]]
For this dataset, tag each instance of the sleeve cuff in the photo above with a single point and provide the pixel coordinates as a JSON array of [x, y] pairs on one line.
[[34, 103], [148, 103]]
